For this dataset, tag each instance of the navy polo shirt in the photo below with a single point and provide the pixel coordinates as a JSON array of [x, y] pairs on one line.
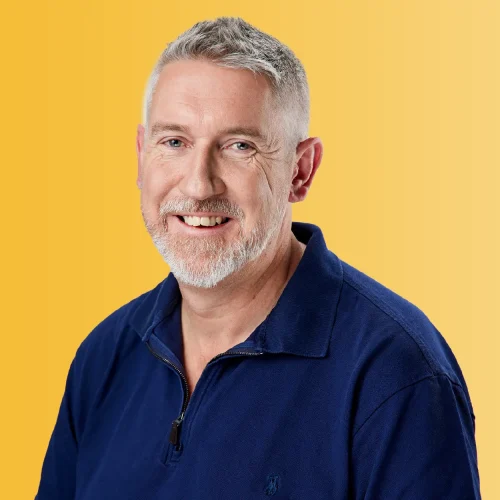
[[345, 391]]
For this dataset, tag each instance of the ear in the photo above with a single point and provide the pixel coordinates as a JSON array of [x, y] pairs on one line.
[[307, 159], [139, 146]]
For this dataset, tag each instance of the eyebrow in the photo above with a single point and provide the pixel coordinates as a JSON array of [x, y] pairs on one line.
[[159, 127]]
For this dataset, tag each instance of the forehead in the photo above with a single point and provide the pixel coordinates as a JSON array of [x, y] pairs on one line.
[[200, 93]]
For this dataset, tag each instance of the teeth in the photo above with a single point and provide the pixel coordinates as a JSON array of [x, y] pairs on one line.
[[203, 221]]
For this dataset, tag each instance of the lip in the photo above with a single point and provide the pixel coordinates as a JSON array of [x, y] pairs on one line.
[[204, 230], [201, 214]]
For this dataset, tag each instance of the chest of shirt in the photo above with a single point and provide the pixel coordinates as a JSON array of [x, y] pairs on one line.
[[255, 426]]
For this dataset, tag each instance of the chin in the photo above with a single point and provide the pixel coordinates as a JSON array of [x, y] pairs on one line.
[[199, 280], [204, 276]]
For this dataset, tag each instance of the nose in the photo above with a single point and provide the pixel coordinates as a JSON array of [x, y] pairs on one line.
[[200, 178]]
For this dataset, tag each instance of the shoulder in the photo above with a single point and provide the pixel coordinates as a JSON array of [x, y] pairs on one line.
[[111, 339], [382, 314], [107, 353], [112, 330], [392, 342]]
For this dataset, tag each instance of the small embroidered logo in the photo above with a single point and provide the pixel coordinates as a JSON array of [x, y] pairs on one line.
[[272, 484]]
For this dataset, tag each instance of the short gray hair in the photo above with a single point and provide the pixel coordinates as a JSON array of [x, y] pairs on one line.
[[234, 43]]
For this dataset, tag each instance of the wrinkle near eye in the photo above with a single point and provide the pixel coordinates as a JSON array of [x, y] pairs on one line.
[[271, 154], [262, 166]]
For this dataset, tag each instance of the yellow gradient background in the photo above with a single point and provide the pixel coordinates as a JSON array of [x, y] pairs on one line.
[[406, 98]]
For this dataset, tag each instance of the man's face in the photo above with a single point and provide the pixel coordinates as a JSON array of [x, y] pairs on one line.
[[211, 151]]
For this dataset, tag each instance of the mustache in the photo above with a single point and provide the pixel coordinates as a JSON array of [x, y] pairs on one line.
[[219, 205]]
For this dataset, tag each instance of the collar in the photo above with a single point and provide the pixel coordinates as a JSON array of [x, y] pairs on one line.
[[301, 322]]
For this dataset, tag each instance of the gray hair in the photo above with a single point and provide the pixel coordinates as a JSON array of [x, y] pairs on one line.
[[234, 43]]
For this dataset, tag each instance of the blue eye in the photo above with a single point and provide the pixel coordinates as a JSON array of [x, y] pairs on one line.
[[244, 143], [170, 140]]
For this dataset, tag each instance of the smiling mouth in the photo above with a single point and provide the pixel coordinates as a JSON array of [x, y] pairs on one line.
[[203, 222]]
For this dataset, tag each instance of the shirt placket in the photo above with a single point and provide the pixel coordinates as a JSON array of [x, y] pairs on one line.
[[173, 449]]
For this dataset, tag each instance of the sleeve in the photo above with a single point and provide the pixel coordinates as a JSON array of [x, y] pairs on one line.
[[59, 467], [419, 443]]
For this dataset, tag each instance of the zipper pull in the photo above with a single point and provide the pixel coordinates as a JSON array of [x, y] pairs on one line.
[[175, 430]]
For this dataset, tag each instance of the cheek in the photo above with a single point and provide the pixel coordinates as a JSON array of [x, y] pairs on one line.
[[252, 193], [158, 181]]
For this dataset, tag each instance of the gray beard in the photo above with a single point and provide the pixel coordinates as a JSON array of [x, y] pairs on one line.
[[205, 262]]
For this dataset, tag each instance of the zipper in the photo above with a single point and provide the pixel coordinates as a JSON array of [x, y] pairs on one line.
[[176, 424]]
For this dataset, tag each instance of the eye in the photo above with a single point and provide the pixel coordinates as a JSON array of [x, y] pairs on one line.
[[246, 148], [170, 142]]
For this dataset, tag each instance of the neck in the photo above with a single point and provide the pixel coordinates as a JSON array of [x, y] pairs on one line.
[[218, 318]]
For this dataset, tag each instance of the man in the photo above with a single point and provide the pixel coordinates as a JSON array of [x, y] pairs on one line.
[[263, 365]]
